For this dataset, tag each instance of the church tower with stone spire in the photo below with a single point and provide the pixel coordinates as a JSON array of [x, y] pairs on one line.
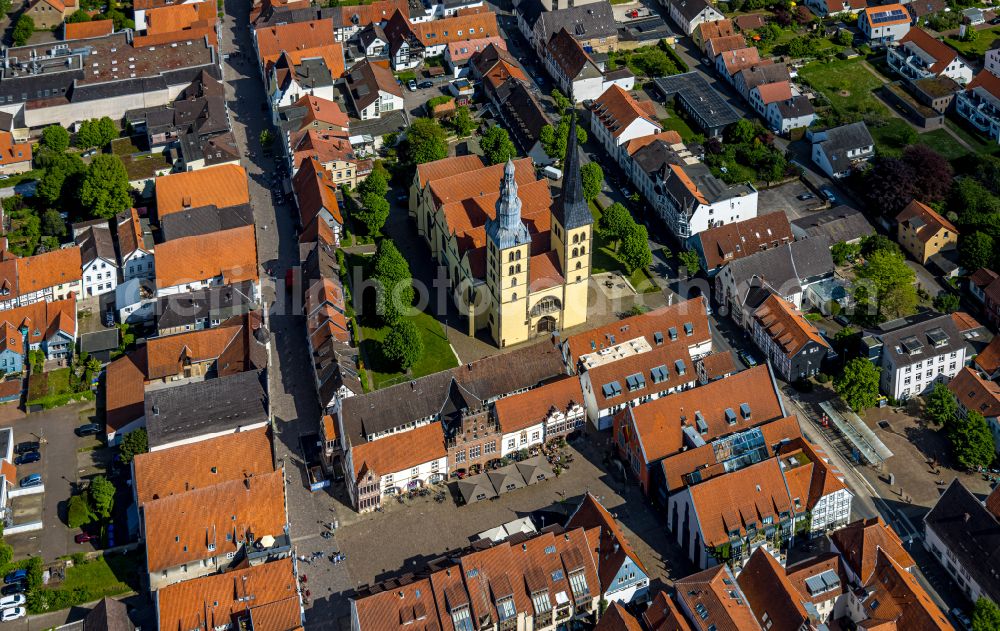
[[572, 232], [508, 249]]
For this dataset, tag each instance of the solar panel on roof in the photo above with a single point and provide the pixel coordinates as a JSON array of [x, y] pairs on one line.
[[911, 344]]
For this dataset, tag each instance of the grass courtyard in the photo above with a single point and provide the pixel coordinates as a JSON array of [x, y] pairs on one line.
[[437, 355], [604, 259], [975, 50]]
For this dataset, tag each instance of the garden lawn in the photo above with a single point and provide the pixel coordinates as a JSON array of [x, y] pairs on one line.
[[978, 48], [90, 581], [677, 123], [437, 355], [604, 259], [944, 143], [846, 84]]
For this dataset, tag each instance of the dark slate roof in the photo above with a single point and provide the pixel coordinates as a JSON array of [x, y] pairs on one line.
[[530, 11], [571, 208], [841, 139], [919, 326], [521, 112], [95, 242], [712, 189], [797, 106], [336, 367], [203, 220], [839, 223], [690, 8], [583, 22], [213, 303], [656, 155], [205, 407], [785, 267], [390, 122], [692, 88], [469, 385], [108, 615], [319, 262], [284, 15], [971, 533], [759, 75], [652, 28], [103, 340]]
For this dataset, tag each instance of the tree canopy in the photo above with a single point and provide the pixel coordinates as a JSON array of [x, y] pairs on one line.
[[615, 223], [133, 443], [976, 250], [972, 441], [888, 286], [102, 496], [392, 274], [105, 191], [939, 405], [857, 385], [690, 260], [425, 141], [375, 184], [985, 615], [497, 146], [55, 137], [373, 213], [24, 28], [593, 180], [462, 122], [635, 252], [403, 346], [96, 132]]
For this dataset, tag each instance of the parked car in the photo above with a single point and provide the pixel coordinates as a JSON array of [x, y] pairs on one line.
[[27, 457], [34, 479], [995, 20], [109, 319], [804, 196], [747, 359], [964, 623], [83, 538], [425, 84], [411, 85], [88, 430], [14, 600], [829, 195], [12, 614], [14, 588], [15, 576], [841, 320], [26, 446]]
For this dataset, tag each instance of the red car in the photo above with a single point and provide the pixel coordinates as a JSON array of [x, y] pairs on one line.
[[83, 538]]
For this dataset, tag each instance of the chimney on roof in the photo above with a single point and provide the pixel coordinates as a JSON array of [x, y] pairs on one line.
[[186, 201]]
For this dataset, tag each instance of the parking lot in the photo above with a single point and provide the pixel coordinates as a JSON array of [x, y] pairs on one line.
[[405, 536], [786, 198], [66, 459]]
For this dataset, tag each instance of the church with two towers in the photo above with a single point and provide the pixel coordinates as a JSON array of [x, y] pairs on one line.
[[518, 262]]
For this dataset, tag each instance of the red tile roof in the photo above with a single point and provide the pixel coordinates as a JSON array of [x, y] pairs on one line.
[[975, 393], [663, 615], [659, 423], [771, 596], [902, 602], [607, 541], [731, 502], [717, 591], [941, 52], [322, 111], [738, 239], [186, 468], [183, 528], [964, 321], [860, 541], [214, 601], [989, 359], [616, 109], [273, 40], [83, 30], [718, 365], [786, 326], [223, 186], [399, 452], [924, 221], [715, 28], [774, 92], [124, 389], [521, 411], [665, 357], [42, 271], [315, 191], [669, 136], [617, 618], [740, 58], [167, 355], [987, 81], [231, 254]]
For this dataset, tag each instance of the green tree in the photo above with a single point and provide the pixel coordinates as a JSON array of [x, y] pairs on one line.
[[971, 441], [843, 252], [744, 131], [403, 346], [87, 136], [635, 252], [560, 101], [106, 131], [970, 35], [375, 184], [395, 283], [373, 213], [940, 407], [121, 21], [77, 17], [266, 139], [462, 122], [615, 223], [53, 223], [877, 242], [59, 184], [889, 285], [497, 146], [946, 302], [425, 142], [5, 6], [858, 384], [105, 191], [985, 615], [976, 250], [845, 37], [690, 260], [133, 444], [593, 180], [102, 496], [78, 512], [24, 28], [55, 137]]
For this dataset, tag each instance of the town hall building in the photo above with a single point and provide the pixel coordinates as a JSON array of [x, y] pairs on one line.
[[518, 263]]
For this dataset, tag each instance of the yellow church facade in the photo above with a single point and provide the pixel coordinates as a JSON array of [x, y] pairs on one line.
[[518, 262]]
